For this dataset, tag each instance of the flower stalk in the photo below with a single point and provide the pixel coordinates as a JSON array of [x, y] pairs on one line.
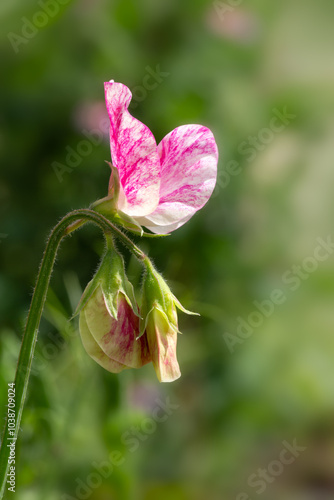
[[67, 225]]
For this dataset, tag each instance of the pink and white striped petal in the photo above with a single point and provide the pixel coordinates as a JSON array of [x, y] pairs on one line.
[[189, 157], [134, 153]]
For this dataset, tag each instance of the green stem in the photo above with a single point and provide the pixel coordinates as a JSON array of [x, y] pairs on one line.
[[68, 224]]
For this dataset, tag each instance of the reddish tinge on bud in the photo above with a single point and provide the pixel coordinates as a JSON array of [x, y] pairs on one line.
[[162, 340], [109, 317], [112, 342], [159, 322]]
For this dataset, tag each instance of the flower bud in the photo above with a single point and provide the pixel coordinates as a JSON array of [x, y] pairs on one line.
[[159, 321], [109, 322]]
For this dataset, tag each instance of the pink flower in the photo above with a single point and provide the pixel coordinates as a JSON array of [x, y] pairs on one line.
[[161, 187]]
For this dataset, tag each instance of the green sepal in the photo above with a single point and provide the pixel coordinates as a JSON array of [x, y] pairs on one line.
[[128, 222], [183, 309], [115, 188], [145, 318], [157, 295], [112, 279], [88, 292]]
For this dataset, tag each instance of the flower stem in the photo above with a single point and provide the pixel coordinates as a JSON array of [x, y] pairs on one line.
[[68, 224]]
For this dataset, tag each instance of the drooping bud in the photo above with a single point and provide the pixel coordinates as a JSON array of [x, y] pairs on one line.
[[159, 322], [109, 318]]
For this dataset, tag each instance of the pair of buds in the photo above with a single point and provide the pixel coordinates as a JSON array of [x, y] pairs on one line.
[[117, 333]]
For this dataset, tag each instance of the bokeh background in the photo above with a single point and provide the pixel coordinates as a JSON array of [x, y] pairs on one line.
[[227, 66]]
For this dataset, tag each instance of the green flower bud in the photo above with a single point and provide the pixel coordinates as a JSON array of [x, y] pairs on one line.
[[159, 322], [109, 318]]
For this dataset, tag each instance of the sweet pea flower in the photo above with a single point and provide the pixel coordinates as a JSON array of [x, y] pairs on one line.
[[160, 186]]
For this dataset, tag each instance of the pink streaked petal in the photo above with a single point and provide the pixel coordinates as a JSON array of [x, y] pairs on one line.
[[162, 340], [184, 153], [134, 153], [94, 350], [189, 157], [117, 338]]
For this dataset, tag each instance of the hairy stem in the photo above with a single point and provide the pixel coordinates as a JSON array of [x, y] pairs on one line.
[[68, 224]]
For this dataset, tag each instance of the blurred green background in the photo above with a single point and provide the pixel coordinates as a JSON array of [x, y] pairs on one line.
[[227, 66]]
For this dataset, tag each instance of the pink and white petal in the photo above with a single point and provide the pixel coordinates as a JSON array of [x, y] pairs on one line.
[[162, 342], [94, 350], [134, 153], [165, 228], [117, 338], [189, 157], [185, 152], [171, 215]]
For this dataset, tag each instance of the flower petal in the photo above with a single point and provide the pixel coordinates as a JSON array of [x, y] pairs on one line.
[[189, 158], [162, 340], [134, 153], [117, 338], [94, 350], [153, 225]]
